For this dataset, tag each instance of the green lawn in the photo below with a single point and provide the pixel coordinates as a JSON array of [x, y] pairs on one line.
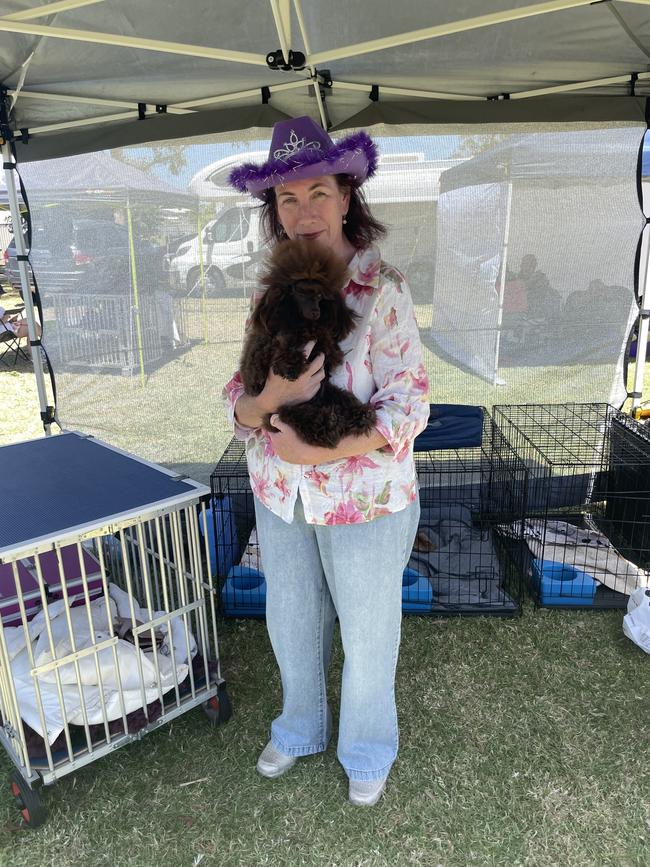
[[523, 742]]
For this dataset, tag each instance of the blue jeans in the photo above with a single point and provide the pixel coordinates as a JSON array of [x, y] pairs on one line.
[[314, 573]]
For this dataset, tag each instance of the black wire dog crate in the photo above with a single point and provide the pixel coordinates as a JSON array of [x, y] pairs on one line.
[[587, 527], [468, 490], [234, 550], [460, 563]]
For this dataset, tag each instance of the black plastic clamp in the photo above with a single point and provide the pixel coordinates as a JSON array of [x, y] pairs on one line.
[[275, 60], [142, 110], [6, 166], [266, 94], [47, 415], [22, 257], [644, 313], [324, 78], [635, 394], [374, 93], [161, 109]]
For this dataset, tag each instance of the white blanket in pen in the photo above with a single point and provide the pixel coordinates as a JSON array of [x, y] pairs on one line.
[[586, 549], [83, 692]]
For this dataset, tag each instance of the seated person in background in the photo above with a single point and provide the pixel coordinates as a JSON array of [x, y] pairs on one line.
[[543, 300], [599, 303], [17, 327], [528, 301]]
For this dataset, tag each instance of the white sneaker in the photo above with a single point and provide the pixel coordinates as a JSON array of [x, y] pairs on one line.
[[273, 763], [366, 793]]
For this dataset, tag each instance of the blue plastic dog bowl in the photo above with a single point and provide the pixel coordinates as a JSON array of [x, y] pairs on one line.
[[244, 593], [562, 584], [416, 593]]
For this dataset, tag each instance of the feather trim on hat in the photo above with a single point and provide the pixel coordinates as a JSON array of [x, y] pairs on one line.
[[241, 177]]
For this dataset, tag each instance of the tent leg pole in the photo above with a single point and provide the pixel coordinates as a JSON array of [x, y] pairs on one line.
[[21, 250], [136, 297], [642, 336], [502, 282], [199, 236]]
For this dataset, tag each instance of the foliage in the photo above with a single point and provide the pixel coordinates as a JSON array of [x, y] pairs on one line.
[[170, 156], [472, 145]]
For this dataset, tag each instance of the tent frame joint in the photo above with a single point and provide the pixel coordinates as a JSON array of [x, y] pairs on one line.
[[322, 82]]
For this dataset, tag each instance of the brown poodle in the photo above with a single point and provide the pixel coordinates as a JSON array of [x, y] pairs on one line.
[[303, 301]]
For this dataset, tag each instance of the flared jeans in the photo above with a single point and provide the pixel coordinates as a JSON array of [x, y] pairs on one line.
[[315, 573]]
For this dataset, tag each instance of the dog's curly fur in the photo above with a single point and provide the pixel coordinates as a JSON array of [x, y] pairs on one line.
[[303, 301]]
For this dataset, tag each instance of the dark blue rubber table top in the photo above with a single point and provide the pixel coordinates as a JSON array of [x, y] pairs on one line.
[[56, 483]]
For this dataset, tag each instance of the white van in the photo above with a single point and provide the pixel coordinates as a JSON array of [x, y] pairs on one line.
[[232, 251]]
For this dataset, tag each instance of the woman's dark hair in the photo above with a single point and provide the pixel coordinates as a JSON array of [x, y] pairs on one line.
[[361, 228]]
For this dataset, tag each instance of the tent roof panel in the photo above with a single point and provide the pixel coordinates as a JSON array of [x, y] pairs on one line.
[[578, 44]]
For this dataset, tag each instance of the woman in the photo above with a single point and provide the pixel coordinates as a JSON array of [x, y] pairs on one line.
[[336, 526]]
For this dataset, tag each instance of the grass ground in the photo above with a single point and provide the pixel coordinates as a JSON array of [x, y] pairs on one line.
[[523, 741]]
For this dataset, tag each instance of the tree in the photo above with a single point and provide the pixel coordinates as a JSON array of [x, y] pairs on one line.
[[145, 158], [472, 145]]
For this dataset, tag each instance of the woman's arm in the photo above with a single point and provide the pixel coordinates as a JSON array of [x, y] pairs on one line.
[[291, 448], [401, 400]]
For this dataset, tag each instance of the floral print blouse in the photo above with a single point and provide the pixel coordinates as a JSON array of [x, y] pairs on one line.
[[384, 365]]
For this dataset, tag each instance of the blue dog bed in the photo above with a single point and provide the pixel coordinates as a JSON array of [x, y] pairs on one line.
[[451, 426], [562, 584]]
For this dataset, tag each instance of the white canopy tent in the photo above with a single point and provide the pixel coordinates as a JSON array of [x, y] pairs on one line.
[[86, 75]]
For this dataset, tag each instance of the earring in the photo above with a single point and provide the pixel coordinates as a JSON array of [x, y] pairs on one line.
[[345, 220]]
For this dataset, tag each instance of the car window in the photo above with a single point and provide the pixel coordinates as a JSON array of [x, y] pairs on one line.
[[233, 226], [99, 237]]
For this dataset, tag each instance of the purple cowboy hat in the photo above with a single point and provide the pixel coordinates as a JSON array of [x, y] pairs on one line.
[[300, 148]]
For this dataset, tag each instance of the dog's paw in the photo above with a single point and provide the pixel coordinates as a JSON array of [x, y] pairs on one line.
[[289, 364]]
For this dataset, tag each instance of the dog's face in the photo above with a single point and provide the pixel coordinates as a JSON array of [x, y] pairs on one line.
[[303, 287], [308, 295]]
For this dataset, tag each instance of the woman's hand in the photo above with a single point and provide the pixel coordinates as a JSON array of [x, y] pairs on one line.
[[288, 445], [279, 391]]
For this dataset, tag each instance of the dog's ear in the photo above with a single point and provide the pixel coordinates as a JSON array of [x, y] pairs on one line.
[[341, 319], [263, 313]]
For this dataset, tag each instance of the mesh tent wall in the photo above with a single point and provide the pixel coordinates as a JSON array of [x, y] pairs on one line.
[[107, 76], [568, 192]]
